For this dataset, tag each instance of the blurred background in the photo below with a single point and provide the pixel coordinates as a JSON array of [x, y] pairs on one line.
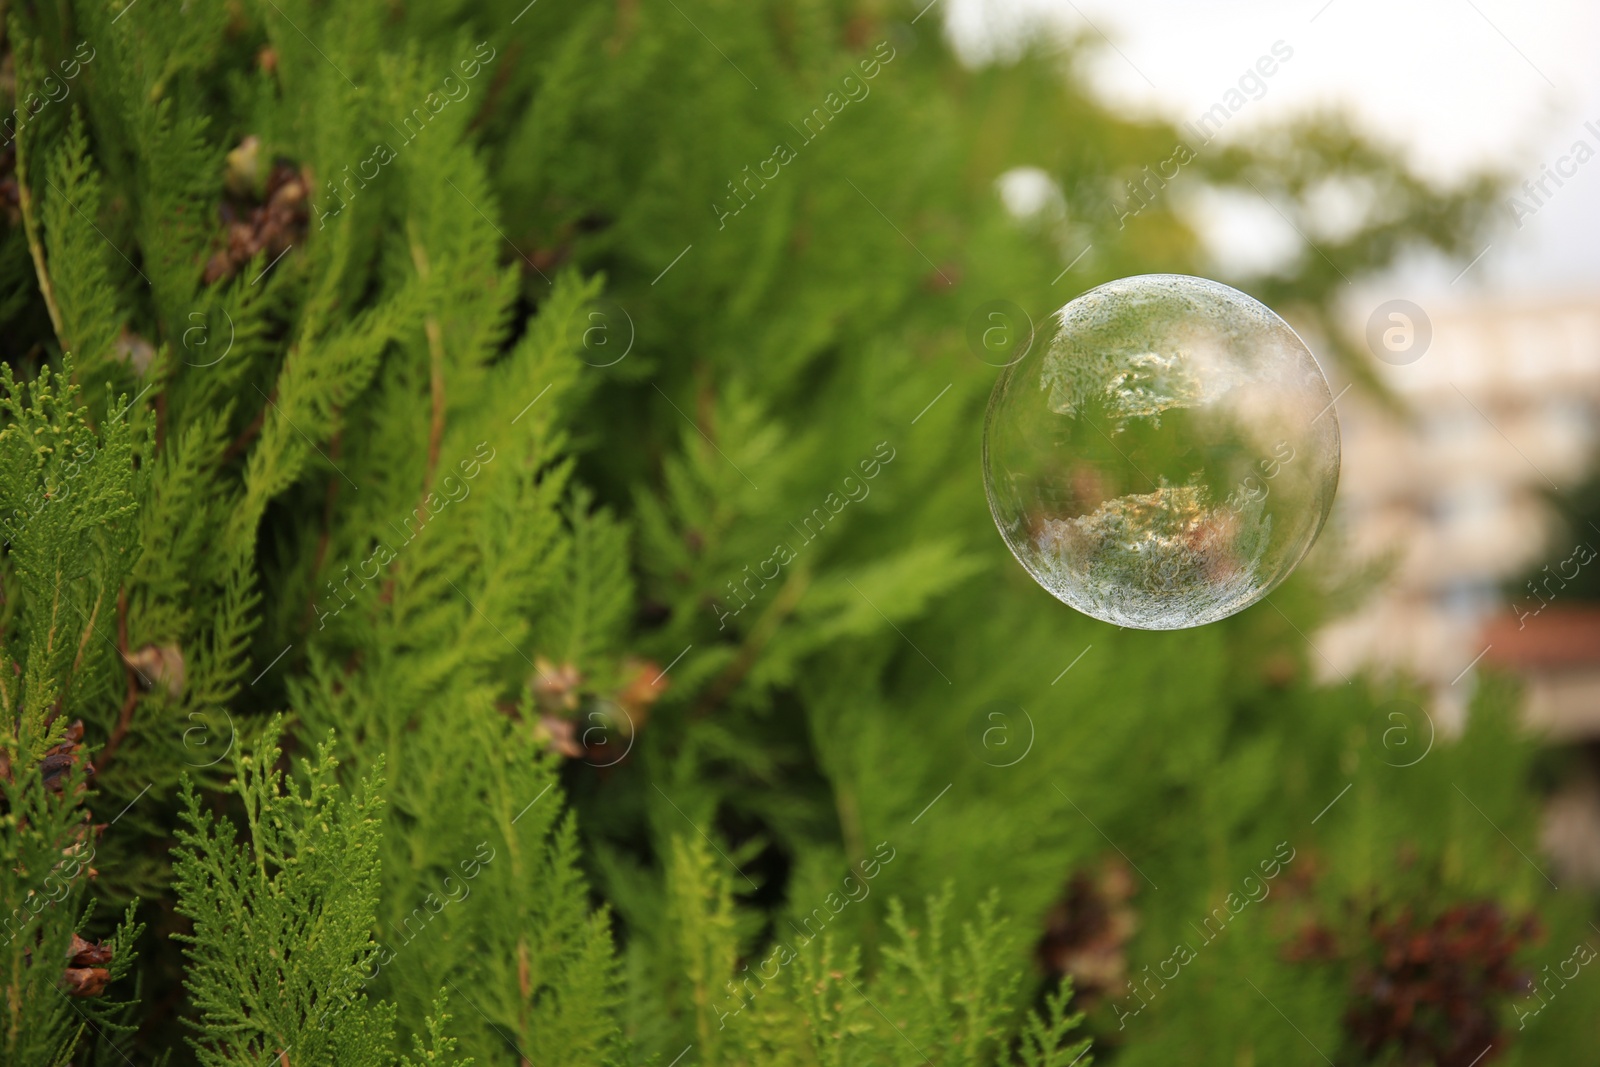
[[1469, 481]]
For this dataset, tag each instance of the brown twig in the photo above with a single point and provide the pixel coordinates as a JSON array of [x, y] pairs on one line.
[[419, 258], [497, 86], [430, 326], [249, 433], [30, 225], [327, 528], [525, 984], [88, 631], [627, 17], [436, 384], [125, 715], [436, 387]]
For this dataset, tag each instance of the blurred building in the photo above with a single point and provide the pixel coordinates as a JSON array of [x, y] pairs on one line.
[[1449, 492], [1452, 489]]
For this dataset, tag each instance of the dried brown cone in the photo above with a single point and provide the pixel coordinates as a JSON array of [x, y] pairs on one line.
[[87, 970], [1425, 991], [1314, 943], [86, 981], [643, 684], [271, 223], [1434, 988], [159, 665], [560, 735], [62, 757], [555, 689], [1087, 931], [604, 731]]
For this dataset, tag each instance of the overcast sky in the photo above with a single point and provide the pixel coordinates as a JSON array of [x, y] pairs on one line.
[[1456, 82]]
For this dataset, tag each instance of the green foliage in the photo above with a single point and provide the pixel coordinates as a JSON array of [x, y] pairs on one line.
[[282, 939], [42, 892], [606, 515], [808, 1002], [67, 497], [282, 923], [84, 291]]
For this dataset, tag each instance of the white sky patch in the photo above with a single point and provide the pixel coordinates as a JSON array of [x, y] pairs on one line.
[[1454, 85], [1029, 192]]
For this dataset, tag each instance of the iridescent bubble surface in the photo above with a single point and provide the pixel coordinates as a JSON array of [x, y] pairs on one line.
[[1167, 458]]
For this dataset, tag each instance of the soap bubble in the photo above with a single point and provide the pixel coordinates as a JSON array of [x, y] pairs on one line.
[[1168, 458]]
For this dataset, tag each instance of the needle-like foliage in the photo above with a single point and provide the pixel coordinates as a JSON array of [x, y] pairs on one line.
[[498, 485]]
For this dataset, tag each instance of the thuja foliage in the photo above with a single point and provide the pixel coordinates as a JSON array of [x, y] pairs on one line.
[[70, 495], [495, 570], [282, 926]]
